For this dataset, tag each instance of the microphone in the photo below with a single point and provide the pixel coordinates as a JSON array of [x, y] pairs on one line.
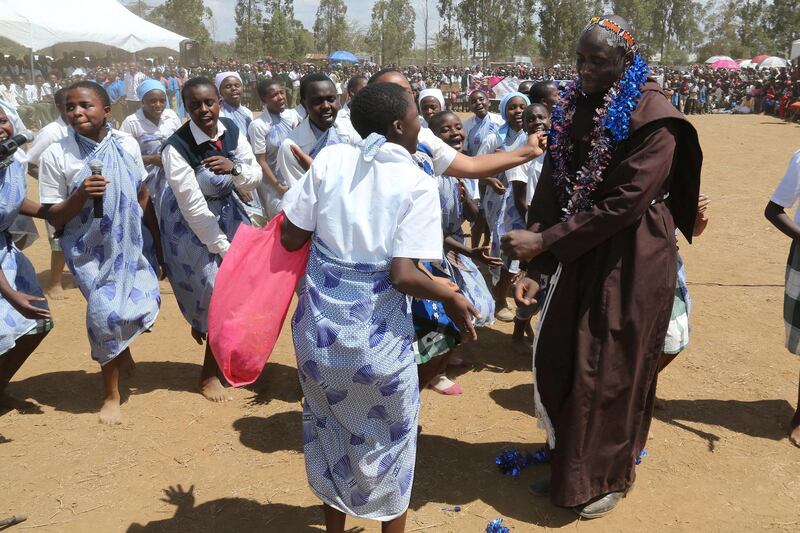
[[97, 170], [10, 145]]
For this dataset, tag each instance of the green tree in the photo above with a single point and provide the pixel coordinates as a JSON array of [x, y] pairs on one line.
[[469, 17], [783, 21], [302, 40], [560, 25], [185, 17], [278, 28], [391, 35], [721, 26], [447, 40], [640, 14], [249, 17], [330, 26]]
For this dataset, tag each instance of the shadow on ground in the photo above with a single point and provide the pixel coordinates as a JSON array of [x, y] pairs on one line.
[[234, 515]]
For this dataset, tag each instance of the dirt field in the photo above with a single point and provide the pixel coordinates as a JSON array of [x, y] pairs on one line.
[[718, 459]]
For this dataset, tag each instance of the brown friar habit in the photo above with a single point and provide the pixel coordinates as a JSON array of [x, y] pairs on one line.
[[613, 279]]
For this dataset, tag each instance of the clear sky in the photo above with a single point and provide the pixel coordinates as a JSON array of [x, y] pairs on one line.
[[358, 11]]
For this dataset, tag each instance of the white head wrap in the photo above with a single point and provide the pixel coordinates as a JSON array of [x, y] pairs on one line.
[[436, 93], [219, 78]]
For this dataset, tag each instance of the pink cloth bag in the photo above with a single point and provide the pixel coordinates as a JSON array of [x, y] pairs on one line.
[[252, 294]]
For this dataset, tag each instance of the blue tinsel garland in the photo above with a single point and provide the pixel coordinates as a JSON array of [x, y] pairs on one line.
[[496, 526], [612, 126], [511, 462]]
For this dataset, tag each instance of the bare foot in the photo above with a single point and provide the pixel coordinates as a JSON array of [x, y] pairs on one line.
[[8, 402], [110, 413], [794, 436], [213, 390], [56, 292], [127, 366]]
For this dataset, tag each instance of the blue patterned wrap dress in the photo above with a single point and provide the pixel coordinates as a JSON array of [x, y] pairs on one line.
[[464, 270], [17, 269], [191, 268], [435, 332], [495, 204], [280, 128], [150, 144], [475, 136], [352, 333], [105, 255], [243, 117]]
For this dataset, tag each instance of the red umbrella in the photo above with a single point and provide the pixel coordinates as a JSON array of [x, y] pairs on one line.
[[759, 59]]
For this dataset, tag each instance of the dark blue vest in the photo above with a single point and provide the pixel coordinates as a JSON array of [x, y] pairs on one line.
[[183, 141]]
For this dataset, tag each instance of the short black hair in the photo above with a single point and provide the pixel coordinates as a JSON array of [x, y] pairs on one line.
[[60, 98], [264, 85], [540, 91], [438, 119], [197, 81], [481, 91], [308, 79], [376, 106], [383, 71], [523, 84], [354, 81], [95, 87]]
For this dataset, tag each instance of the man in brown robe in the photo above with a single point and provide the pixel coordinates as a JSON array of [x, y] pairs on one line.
[[612, 274]]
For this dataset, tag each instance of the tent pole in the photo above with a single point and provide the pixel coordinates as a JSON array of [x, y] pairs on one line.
[[33, 80]]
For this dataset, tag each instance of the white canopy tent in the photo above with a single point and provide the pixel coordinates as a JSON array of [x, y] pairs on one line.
[[38, 24]]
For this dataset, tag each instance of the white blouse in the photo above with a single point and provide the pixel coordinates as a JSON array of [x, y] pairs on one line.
[[192, 202], [368, 211], [61, 162]]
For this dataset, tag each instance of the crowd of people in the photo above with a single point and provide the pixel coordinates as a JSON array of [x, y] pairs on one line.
[[573, 192], [701, 89]]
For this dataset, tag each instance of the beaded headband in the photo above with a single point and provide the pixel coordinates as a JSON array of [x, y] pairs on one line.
[[621, 36]]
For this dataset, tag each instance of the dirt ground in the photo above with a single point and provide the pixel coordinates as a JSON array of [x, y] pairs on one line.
[[718, 460]]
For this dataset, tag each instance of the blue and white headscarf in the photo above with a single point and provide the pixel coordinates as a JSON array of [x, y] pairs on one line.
[[149, 85], [503, 104]]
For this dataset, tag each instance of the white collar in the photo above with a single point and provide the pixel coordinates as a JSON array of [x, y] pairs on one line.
[[142, 118], [199, 135], [393, 152]]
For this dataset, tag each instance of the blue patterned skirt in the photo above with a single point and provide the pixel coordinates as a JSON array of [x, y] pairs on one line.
[[352, 334]]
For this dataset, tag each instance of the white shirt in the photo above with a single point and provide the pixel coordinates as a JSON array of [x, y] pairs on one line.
[[191, 202], [368, 211], [61, 162], [788, 189], [442, 153], [260, 128], [344, 112], [527, 173], [132, 82], [31, 94], [9, 96], [301, 112], [137, 124], [471, 123], [289, 170], [51, 133]]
